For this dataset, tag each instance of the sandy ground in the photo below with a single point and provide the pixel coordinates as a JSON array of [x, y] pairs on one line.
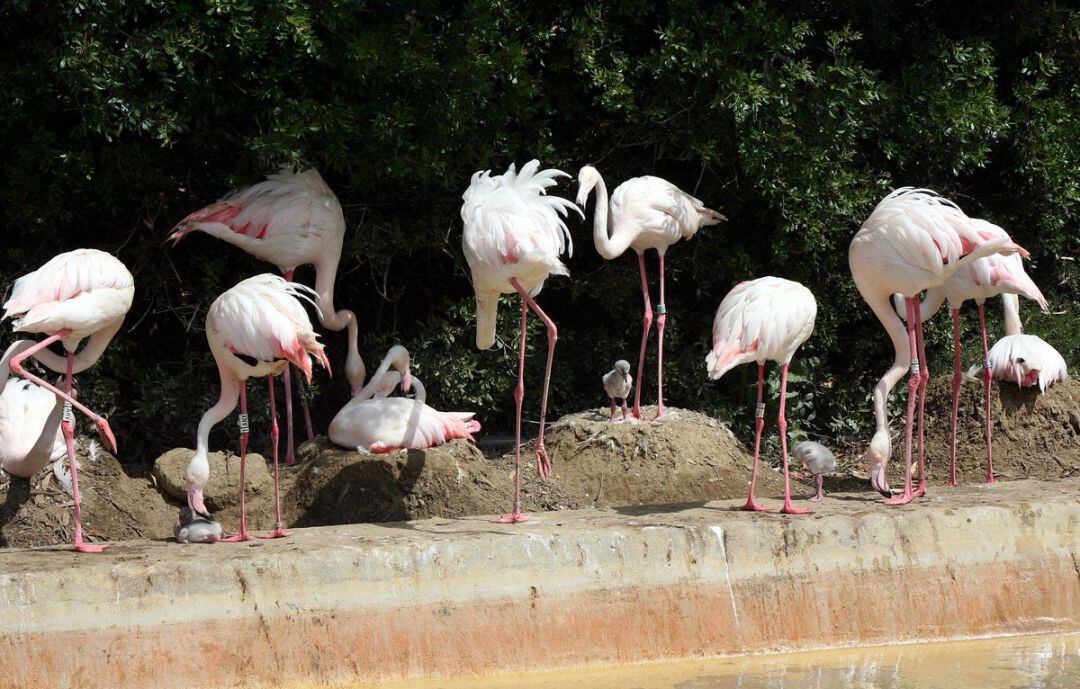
[[688, 458]]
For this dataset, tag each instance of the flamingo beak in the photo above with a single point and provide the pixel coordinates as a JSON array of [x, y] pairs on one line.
[[878, 480], [195, 500], [406, 381]]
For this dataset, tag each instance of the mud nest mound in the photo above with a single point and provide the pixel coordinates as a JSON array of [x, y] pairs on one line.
[[118, 503], [1035, 435]]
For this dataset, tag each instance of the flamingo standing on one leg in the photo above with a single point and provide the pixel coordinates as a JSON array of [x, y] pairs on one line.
[[259, 319], [646, 213], [291, 219], [763, 320], [1021, 358], [912, 241], [979, 280], [514, 234], [77, 295]]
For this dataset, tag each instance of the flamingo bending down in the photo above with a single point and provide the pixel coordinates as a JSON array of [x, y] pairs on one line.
[[912, 241], [513, 237], [617, 384], [646, 213], [374, 422], [979, 280], [260, 319], [82, 294], [1020, 358], [763, 320], [291, 219], [30, 435]]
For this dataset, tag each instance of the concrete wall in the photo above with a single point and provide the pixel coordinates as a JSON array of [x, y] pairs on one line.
[[466, 597]]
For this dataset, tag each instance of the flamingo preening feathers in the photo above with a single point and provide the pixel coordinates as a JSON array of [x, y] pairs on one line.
[[78, 295], [645, 213], [761, 320], [1020, 358], [913, 240], [260, 321], [513, 238], [290, 219]]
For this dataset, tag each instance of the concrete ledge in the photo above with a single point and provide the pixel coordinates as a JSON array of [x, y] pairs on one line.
[[468, 597]]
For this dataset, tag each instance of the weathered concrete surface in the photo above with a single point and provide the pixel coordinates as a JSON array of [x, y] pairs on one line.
[[467, 597]]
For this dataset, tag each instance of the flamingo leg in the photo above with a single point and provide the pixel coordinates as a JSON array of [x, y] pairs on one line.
[[924, 378], [759, 426], [913, 386], [646, 326], [517, 516], [819, 480], [543, 462], [301, 392], [957, 379], [661, 322], [290, 441], [624, 409], [612, 417], [16, 365], [781, 422], [987, 378], [245, 429], [68, 428], [279, 530]]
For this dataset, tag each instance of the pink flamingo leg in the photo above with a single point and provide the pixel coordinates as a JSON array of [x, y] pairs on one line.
[[612, 417], [516, 516], [543, 462], [913, 386], [279, 530], [957, 379], [924, 378], [243, 534], [661, 321], [987, 378], [301, 391], [646, 326], [290, 447], [68, 427], [781, 421], [16, 365], [820, 481], [759, 425], [624, 409]]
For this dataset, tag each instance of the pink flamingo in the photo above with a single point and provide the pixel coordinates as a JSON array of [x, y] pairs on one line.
[[979, 280], [1020, 358], [763, 320], [912, 241], [259, 320], [514, 234], [646, 213], [291, 219], [374, 422], [82, 294]]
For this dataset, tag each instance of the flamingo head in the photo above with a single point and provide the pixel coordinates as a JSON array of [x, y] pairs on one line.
[[195, 478], [195, 499], [588, 177], [878, 456]]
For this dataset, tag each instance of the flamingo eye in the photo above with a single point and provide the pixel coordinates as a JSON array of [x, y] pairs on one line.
[[1020, 360]]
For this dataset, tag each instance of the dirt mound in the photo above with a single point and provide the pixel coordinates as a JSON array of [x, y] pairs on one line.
[[1035, 435], [688, 457], [118, 503]]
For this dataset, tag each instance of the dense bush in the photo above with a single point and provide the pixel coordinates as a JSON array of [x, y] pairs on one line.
[[791, 118]]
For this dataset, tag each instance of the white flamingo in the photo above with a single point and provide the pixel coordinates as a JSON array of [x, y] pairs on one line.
[[514, 235], [1021, 358], [645, 213], [766, 319], [912, 241], [78, 295], [374, 422], [260, 320], [291, 219], [979, 280], [30, 435]]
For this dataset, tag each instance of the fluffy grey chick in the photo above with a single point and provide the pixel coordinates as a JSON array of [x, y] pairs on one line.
[[819, 460], [617, 384], [188, 529]]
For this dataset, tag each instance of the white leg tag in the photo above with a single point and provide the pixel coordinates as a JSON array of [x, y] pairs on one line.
[[914, 367], [759, 411], [987, 365], [244, 426], [69, 413]]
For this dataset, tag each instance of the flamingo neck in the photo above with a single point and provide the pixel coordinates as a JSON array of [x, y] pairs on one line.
[[230, 393], [325, 277], [401, 364], [1011, 302], [607, 246]]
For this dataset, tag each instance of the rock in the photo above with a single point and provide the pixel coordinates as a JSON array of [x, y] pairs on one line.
[[222, 491]]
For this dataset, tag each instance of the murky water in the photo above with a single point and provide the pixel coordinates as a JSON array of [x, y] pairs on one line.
[[1036, 662]]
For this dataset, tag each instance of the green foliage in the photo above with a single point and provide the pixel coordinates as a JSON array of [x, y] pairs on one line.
[[791, 118]]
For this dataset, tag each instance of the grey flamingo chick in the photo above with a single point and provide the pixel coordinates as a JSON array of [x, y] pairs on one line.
[[617, 385], [818, 460]]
